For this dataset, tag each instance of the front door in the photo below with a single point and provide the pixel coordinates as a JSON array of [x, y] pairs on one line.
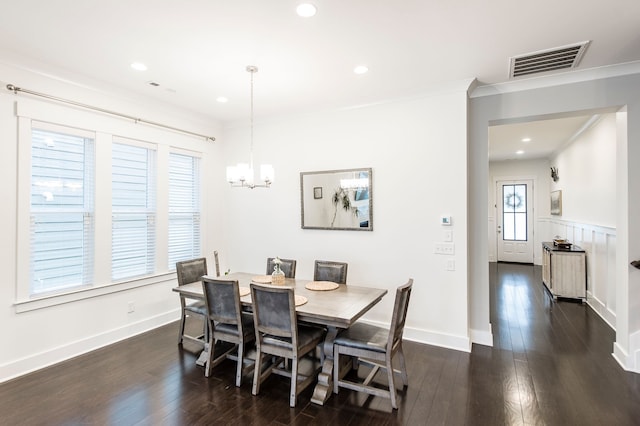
[[514, 203]]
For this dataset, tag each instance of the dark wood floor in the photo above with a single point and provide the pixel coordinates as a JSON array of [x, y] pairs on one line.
[[551, 364]]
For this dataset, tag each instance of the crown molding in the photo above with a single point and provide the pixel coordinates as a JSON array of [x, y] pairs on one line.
[[557, 79]]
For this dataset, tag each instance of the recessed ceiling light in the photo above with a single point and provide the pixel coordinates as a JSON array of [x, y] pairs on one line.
[[139, 66], [306, 10], [520, 152], [360, 69], [526, 139], [222, 99]]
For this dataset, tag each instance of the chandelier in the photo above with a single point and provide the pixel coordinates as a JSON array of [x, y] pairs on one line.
[[241, 175]]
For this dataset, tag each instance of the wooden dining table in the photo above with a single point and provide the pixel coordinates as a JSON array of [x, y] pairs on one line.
[[335, 309]]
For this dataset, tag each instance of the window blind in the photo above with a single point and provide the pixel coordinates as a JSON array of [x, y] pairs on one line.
[[134, 209], [61, 210], [184, 208]]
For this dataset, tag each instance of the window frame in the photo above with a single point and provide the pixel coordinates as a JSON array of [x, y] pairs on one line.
[[106, 129], [41, 214]]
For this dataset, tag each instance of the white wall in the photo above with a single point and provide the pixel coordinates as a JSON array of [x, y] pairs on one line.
[[410, 144], [587, 170]]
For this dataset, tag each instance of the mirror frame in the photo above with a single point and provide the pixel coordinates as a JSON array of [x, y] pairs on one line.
[[315, 192]]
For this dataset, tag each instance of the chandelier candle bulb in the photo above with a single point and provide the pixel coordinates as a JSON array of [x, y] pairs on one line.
[[266, 173]]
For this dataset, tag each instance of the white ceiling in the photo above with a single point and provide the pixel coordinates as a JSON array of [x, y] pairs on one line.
[[546, 137], [197, 50]]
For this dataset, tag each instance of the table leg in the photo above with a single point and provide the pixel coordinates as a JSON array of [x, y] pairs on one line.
[[324, 387]]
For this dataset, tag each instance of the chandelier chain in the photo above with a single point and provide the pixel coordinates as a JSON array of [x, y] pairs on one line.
[[252, 70]]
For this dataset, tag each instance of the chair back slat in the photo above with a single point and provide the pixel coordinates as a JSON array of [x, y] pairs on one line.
[[288, 266], [274, 310], [222, 298], [217, 262], [190, 271], [400, 307]]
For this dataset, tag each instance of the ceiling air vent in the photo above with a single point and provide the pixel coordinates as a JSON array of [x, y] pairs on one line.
[[547, 60]]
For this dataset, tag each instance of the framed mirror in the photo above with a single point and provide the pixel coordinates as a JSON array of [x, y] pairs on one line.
[[337, 199]]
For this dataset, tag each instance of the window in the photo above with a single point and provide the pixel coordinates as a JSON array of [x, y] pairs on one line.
[[61, 212], [514, 210], [133, 191], [99, 213], [184, 208]]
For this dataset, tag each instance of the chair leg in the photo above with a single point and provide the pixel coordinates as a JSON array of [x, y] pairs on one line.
[[403, 366], [181, 329], [205, 329], [240, 365], [207, 368], [392, 384], [257, 373], [294, 382], [336, 369]]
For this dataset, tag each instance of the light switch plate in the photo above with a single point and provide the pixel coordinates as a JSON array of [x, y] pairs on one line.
[[444, 248]]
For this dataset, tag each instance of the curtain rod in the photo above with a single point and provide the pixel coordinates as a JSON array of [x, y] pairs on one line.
[[16, 89]]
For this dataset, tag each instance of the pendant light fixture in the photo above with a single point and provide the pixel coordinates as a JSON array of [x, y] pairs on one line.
[[241, 175]]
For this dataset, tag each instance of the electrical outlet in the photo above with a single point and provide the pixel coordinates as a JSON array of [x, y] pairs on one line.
[[131, 307], [451, 265]]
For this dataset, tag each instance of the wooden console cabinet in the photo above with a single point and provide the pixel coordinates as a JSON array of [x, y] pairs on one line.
[[564, 271]]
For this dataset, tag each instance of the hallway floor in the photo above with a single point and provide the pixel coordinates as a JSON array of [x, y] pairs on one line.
[[551, 362]]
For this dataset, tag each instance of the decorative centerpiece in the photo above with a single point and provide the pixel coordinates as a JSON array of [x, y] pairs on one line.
[[277, 277]]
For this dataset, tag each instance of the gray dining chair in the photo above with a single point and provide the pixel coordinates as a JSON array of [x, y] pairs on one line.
[[227, 323], [190, 271], [278, 334], [377, 347], [325, 270], [288, 266]]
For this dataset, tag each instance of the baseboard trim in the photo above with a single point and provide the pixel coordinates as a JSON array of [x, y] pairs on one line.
[[62, 353], [620, 355], [449, 341], [482, 337], [628, 360], [599, 308]]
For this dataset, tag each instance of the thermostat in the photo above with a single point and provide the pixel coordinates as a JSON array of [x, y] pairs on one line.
[[445, 220]]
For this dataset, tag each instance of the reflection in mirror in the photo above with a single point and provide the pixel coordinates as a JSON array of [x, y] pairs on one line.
[[337, 199]]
